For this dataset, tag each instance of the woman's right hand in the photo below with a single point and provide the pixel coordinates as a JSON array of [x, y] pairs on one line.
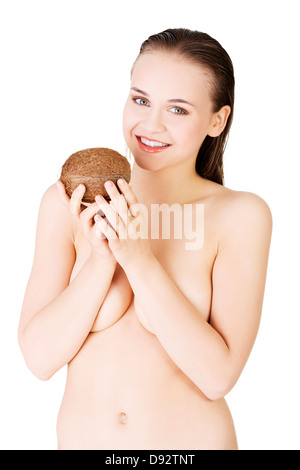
[[84, 217]]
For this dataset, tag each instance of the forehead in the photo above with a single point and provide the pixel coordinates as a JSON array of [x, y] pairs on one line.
[[169, 74]]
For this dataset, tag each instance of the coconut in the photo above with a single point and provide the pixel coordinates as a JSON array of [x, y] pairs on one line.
[[92, 167]]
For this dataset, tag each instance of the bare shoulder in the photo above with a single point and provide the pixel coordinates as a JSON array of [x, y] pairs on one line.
[[242, 213], [51, 199], [233, 203], [54, 211], [229, 207]]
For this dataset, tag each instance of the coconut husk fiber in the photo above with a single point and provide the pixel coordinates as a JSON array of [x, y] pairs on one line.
[[92, 167]]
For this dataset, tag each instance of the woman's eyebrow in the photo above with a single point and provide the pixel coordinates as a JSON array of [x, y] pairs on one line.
[[137, 90], [179, 100]]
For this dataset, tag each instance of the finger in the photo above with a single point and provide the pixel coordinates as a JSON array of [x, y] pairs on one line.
[[87, 216], [129, 195], [89, 212], [119, 203], [62, 193], [103, 227], [108, 211], [76, 200], [98, 229], [115, 197]]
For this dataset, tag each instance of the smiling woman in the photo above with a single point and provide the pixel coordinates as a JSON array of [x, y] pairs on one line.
[[155, 333], [150, 112], [217, 76]]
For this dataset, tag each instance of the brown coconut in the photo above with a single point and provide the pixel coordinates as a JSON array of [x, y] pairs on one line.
[[92, 167]]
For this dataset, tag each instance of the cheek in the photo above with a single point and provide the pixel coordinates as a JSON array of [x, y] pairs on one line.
[[126, 121], [191, 138], [129, 120], [190, 133]]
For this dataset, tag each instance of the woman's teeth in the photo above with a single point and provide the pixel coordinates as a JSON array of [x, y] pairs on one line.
[[152, 143]]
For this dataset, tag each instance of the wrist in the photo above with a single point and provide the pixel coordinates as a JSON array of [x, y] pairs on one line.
[[141, 265], [100, 262]]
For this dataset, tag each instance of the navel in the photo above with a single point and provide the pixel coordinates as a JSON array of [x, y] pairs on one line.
[[122, 417]]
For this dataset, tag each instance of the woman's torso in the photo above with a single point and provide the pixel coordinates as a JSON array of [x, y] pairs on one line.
[[123, 390]]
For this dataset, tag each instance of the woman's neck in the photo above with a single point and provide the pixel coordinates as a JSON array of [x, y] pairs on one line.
[[169, 185]]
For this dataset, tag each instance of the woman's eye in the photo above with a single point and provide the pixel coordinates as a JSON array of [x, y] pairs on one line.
[[176, 110], [141, 101]]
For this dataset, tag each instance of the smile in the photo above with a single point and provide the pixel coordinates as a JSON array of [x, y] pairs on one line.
[[151, 146]]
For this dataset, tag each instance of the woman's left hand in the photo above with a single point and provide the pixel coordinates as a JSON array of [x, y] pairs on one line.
[[125, 224]]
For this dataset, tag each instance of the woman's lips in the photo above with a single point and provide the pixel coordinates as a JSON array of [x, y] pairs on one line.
[[151, 146]]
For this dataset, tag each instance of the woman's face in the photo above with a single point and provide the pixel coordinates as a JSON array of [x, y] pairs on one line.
[[168, 112]]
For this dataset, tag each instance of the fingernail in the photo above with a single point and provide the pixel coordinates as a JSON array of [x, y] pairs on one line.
[[121, 182], [79, 187], [108, 184], [99, 198]]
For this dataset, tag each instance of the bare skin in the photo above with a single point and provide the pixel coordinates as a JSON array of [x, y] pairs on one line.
[[154, 335]]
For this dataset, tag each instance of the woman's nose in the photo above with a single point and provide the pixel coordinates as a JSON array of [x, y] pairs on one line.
[[154, 122]]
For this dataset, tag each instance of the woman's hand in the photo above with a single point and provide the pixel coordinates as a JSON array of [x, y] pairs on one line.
[[125, 224], [84, 217]]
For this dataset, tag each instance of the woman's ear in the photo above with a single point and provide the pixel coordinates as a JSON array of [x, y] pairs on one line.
[[219, 121]]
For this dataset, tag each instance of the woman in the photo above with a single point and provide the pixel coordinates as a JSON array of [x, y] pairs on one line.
[[155, 329]]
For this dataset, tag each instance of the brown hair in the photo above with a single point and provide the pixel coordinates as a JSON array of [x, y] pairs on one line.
[[202, 49]]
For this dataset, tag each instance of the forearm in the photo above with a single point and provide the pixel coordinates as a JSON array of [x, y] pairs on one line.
[[56, 333], [196, 348]]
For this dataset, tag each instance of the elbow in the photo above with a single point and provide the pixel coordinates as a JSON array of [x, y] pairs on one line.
[[39, 371], [36, 368], [218, 388], [34, 361], [216, 394]]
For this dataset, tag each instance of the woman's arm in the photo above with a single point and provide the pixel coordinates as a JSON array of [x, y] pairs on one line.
[[211, 355], [57, 316]]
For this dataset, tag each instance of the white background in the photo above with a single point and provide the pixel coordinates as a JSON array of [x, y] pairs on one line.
[[65, 68]]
